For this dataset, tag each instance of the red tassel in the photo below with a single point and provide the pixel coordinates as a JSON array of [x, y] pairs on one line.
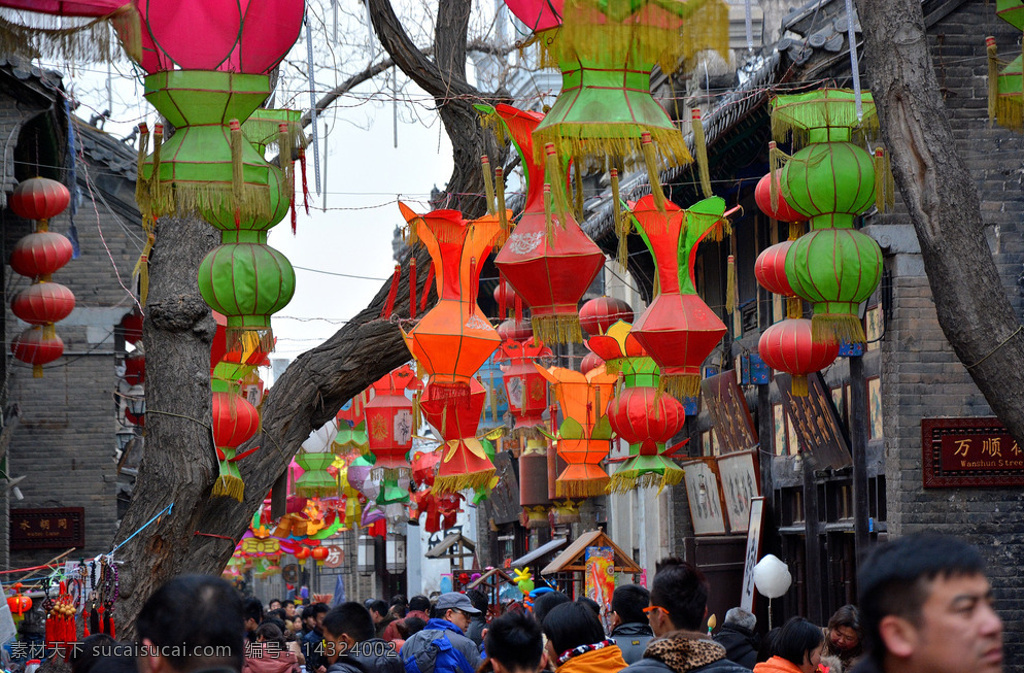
[[519, 309], [501, 297], [426, 288], [295, 219], [85, 623], [100, 610], [51, 623], [412, 288], [389, 305], [305, 184], [113, 629]]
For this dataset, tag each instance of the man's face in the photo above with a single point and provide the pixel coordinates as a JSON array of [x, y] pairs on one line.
[[274, 605], [335, 646], [958, 631], [289, 610], [319, 628], [458, 617], [376, 616]]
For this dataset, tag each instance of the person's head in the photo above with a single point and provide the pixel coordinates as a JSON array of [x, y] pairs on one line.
[[421, 603], [413, 625], [844, 630], [478, 599], [277, 614], [274, 604], [253, 611], [628, 603], [740, 617], [679, 597], [344, 626], [544, 603], [191, 614], [93, 648], [116, 663], [297, 624], [767, 649], [799, 642], [289, 608], [399, 605], [313, 616], [269, 632], [378, 610], [455, 608], [592, 604], [514, 644], [570, 625], [925, 604]]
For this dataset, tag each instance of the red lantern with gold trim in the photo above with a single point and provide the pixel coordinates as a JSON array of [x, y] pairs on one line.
[[788, 347], [464, 463], [526, 388], [600, 313], [389, 421]]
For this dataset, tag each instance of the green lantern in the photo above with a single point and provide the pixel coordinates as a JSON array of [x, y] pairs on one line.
[[1006, 87], [831, 181]]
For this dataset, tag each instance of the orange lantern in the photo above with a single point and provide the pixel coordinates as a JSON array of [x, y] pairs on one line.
[[301, 554], [526, 389], [19, 603], [320, 555], [464, 463]]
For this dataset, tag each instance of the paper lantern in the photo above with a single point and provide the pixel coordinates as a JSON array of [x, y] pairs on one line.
[[638, 413], [37, 346], [1006, 87], [600, 313], [390, 421], [547, 259], [135, 368], [320, 555], [584, 438], [678, 329], [770, 269], [782, 211], [40, 254], [42, 303], [533, 483], [787, 346], [511, 330], [454, 338], [590, 361], [235, 421], [527, 390], [772, 577], [464, 463], [496, 407], [831, 180], [314, 457], [39, 199]]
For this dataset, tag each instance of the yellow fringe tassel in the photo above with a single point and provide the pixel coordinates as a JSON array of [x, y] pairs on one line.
[[557, 329], [37, 371], [794, 307], [554, 177], [627, 480], [719, 230], [993, 78], [831, 328], [799, 385], [156, 194], [142, 265], [229, 486], [239, 340], [701, 150], [679, 385], [885, 188], [485, 164], [730, 284], [237, 175], [593, 153], [620, 224], [460, 482], [1010, 111], [581, 488], [506, 230], [796, 230], [776, 158], [549, 220], [141, 186], [652, 172]]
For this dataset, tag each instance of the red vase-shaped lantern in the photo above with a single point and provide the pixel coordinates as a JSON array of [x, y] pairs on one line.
[[454, 338], [678, 329], [389, 421], [550, 267], [464, 463], [788, 347], [527, 390]]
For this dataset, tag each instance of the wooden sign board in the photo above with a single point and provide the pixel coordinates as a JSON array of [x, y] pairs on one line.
[[816, 422], [960, 452], [734, 426], [48, 528], [504, 496]]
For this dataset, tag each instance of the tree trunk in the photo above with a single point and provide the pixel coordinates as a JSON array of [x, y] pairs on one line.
[[179, 467], [973, 309]]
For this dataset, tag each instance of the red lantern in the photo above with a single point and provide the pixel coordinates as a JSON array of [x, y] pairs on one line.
[[598, 314], [43, 303], [641, 416], [131, 326], [39, 199], [19, 603], [762, 195], [40, 254], [590, 362], [37, 346], [302, 553], [135, 368], [510, 330], [234, 420], [787, 346], [464, 463], [770, 269], [389, 420], [526, 388], [320, 555]]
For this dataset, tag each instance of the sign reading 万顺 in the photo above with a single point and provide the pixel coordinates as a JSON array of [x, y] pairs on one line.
[[960, 452], [48, 528]]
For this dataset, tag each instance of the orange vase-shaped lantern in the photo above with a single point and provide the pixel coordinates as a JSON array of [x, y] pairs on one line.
[[464, 463]]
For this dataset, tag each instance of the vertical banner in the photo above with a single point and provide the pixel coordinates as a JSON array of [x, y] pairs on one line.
[[599, 579]]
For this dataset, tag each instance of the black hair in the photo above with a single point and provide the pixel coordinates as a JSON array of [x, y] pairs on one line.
[[570, 625], [316, 609], [399, 599], [195, 612], [121, 663], [478, 599], [848, 616], [682, 589], [273, 621], [91, 651], [274, 600], [797, 637], [253, 609], [629, 601], [378, 606], [515, 641], [350, 619], [413, 625], [895, 578], [421, 603], [285, 604], [767, 649], [271, 633], [590, 603], [545, 602]]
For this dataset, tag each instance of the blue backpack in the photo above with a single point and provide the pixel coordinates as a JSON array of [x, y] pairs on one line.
[[447, 660]]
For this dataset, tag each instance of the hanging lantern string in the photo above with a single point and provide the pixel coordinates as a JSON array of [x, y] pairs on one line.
[[851, 36]]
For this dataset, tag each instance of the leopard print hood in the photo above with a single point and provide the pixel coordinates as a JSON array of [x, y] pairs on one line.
[[683, 651]]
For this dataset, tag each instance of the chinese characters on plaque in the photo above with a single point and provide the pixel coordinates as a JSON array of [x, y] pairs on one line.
[[969, 452]]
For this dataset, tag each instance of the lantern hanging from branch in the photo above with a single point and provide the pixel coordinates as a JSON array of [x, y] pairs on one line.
[[464, 463], [678, 330], [584, 437], [831, 180], [641, 416], [547, 259], [235, 421], [390, 423]]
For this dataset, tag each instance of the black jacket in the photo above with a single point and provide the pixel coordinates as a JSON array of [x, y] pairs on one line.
[[632, 639], [740, 644]]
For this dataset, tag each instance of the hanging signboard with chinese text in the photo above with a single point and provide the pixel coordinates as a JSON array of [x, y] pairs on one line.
[[960, 452]]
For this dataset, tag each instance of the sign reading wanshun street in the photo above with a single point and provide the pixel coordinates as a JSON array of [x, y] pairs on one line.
[[960, 452]]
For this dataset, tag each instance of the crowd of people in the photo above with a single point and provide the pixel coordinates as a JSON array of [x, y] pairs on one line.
[[924, 606]]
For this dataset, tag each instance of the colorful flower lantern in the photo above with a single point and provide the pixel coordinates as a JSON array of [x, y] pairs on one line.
[[600, 313], [638, 414], [454, 338], [390, 422], [527, 390], [830, 181], [678, 329], [314, 457], [584, 437], [464, 463], [788, 346], [38, 255], [547, 259]]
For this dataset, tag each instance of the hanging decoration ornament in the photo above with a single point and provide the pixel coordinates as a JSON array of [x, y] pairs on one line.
[[74, 30], [600, 313], [584, 438], [547, 259], [38, 256], [678, 330], [1006, 87], [314, 457], [464, 462], [391, 423], [831, 181], [641, 416], [533, 481], [527, 390]]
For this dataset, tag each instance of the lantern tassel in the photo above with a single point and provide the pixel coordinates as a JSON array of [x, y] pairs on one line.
[[796, 230], [286, 146], [158, 205], [651, 160], [559, 329], [142, 265], [680, 385], [829, 328], [412, 287], [237, 168], [794, 307], [701, 150], [730, 284], [485, 164], [549, 224], [579, 193], [799, 385], [557, 181], [776, 157], [142, 196], [621, 224], [506, 229], [993, 78], [229, 482], [389, 304], [305, 183], [885, 189], [502, 289], [426, 288]]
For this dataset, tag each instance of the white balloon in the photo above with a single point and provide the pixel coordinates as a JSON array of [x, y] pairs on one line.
[[772, 577]]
